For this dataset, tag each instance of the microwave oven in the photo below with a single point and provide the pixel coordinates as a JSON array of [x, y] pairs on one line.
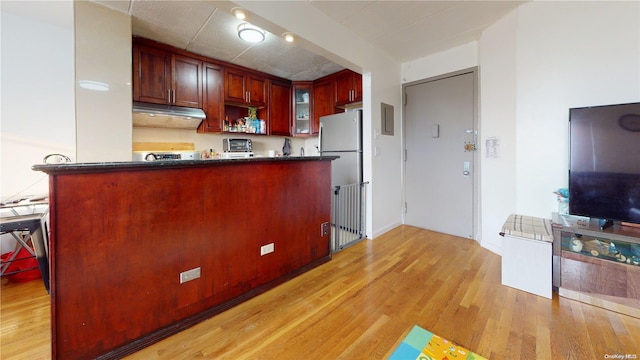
[[237, 145]]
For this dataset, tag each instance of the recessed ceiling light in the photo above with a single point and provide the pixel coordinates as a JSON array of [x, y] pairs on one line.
[[289, 37], [239, 13], [250, 33]]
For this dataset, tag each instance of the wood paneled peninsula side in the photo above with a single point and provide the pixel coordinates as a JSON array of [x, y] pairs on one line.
[[121, 235]]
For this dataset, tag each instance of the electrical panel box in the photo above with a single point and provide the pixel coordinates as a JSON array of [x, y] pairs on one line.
[[387, 119]]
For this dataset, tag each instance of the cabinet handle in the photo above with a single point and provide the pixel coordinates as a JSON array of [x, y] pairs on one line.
[[248, 96], [169, 96]]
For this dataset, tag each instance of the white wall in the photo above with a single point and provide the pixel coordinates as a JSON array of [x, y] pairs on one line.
[[37, 97], [103, 54], [565, 54], [385, 151], [498, 92], [451, 60], [569, 54], [44, 48]]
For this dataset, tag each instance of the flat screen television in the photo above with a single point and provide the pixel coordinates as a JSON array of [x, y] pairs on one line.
[[604, 162]]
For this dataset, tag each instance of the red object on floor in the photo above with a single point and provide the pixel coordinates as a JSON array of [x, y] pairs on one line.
[[25, 263]]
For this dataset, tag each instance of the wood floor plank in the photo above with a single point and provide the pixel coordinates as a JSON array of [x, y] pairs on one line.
[[361, 304]]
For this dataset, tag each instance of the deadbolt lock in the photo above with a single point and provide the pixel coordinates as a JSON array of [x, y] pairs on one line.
[[469, 146]]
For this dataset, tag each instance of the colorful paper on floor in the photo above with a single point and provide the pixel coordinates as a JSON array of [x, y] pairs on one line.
[[421, 344]]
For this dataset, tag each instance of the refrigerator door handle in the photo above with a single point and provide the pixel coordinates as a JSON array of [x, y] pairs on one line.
[[320, 140]]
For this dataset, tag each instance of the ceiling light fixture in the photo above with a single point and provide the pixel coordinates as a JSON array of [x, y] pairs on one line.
[[250, 33], [239, 13], [288, 37]]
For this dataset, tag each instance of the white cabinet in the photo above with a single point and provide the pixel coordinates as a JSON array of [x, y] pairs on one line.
[[527, 255]]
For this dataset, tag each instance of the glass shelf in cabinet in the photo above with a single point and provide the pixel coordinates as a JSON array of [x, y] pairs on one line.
[[620, 252]]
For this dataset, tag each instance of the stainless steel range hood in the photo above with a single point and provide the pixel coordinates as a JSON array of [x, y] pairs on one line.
[[166, 116]]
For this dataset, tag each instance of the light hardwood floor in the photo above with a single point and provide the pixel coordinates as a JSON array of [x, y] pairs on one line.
[[362, 303]]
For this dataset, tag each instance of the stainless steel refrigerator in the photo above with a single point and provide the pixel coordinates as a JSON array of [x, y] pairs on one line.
[[341, 135]]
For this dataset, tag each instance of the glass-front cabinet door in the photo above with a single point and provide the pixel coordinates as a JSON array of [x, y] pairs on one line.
[[603, 247], [302, 108]]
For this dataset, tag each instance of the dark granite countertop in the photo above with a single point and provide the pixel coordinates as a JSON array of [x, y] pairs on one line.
[[164, 164]]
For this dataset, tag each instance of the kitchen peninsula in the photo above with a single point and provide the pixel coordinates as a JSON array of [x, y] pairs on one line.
[[142, 250]]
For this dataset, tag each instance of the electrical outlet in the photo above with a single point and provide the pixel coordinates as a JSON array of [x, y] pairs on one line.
[[267, 249], [324, 229], [189, 275]]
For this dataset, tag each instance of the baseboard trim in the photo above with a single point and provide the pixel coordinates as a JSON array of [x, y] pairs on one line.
[[389, 227]]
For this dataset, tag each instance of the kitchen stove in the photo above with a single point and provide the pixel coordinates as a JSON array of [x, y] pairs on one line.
[[236, 155], [165, 155]]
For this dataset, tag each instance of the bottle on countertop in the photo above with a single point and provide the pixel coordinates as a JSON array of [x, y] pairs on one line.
[[286, 148]]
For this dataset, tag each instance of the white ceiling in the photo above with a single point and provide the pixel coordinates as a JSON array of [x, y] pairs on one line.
[[406, 30]]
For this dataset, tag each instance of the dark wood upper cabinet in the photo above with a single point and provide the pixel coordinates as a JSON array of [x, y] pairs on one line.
[[234, 86], [166, 75], [348, 87], [279, 120], [161, 77], [186, 81], [257, 86], [357, 87], [151, 75], [323, 102], [213, 98], [244, 88]]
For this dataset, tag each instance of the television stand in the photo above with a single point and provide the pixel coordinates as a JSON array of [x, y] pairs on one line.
[[597, 266]]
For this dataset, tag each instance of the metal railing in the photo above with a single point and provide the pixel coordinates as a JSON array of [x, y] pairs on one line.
[[348, 223]]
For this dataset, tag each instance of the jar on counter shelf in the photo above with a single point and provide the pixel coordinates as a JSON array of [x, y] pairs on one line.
[[576, 245]]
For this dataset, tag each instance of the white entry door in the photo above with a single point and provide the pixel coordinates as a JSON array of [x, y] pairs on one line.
[[439, 142]]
